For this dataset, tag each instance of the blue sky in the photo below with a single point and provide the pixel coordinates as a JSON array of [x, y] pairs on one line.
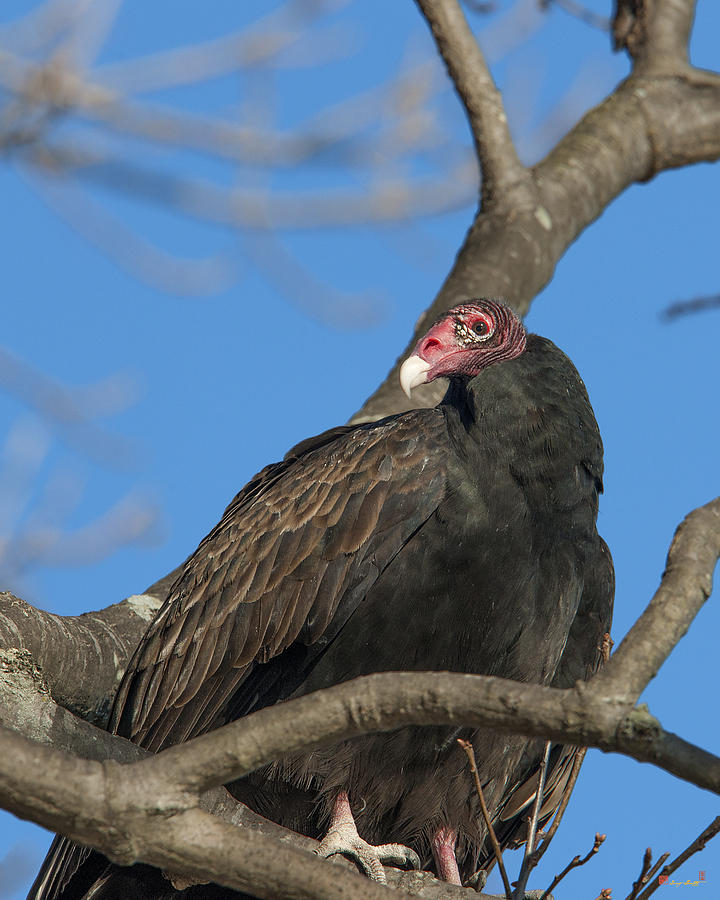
[[209, 387]]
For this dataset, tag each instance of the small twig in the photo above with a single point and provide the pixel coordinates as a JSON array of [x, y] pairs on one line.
[[480, 7], [542, 774], [466, 65], [574, 864], [656, 868], [579, 12], [528, 862], [688, 307], [642, 878], [697, 845], [470, 753], [552, 831], [605, 894], [646, 873]]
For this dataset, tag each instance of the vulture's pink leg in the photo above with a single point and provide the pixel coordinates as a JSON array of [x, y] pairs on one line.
[[443, 848], [342, 837]]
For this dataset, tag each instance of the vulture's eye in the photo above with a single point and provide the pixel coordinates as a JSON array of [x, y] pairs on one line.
[[481, 328]]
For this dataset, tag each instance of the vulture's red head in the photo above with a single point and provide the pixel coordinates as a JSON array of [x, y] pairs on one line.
[[466, 340]]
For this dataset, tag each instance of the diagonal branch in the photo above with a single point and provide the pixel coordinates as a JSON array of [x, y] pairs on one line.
[[26, 708], [686, 584], [470, 753], [582, 715], [502, 171], [574, 864], [528, 862], [90, 801], [149, 810]]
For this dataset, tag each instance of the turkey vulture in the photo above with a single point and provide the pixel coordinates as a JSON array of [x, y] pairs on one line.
[[458, 538]]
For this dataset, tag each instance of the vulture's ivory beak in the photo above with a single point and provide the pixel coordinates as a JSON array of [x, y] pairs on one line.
[[413, 372]]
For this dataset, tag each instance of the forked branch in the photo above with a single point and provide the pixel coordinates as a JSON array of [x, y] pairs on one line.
[[697, 845], [574, 864]]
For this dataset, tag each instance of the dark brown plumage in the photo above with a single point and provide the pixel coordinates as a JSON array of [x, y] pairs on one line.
[[459, 538]]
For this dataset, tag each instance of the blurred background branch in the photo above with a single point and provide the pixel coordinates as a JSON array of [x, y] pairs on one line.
[[74, 122]]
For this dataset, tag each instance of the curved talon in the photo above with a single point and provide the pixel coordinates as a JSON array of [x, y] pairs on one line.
[[397, 855]]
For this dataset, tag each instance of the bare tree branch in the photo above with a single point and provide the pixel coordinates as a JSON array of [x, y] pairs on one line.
[[528, 857], [656, 868], [644, 870], [580, 12], [81, 657], [647, 871], [686, 584], [688, 307], [168, 830], [574, 864], [552, 831], [502, 171], [387, 201], [381, 702], [470, 753]]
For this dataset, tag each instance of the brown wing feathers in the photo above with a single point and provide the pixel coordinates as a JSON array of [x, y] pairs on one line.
[[275, 569]]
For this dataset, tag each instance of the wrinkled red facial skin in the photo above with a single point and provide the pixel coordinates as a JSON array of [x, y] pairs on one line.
[[453, 348]]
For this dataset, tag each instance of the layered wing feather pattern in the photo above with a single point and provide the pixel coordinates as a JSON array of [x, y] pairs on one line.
[[287, 555]]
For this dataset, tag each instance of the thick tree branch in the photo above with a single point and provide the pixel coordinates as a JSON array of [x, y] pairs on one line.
[[27, 707], [97, 804], [502, 172], [156, 821], [583, 715], [82, 658], [686, 584], [146, 811], [655, 33]]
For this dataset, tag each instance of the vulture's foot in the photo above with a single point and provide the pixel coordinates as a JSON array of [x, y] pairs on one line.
[[342, 837]]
